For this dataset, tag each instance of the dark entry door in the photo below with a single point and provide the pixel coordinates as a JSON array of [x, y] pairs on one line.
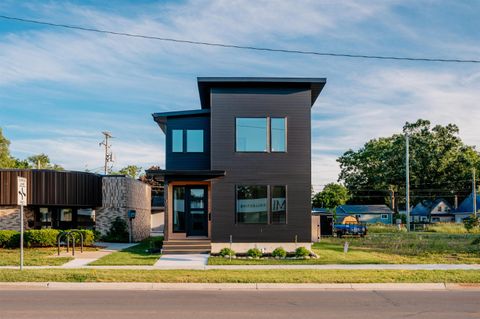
[[197, 211]]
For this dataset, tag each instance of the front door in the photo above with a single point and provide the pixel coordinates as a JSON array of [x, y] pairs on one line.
[[197, 211], [190, 210]]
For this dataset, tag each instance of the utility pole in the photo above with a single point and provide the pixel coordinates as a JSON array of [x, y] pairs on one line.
[[474, 194], [407, 177], [108, 153]]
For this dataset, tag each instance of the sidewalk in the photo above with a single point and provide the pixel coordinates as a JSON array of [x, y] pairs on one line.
[[177, 263], [83, 259]]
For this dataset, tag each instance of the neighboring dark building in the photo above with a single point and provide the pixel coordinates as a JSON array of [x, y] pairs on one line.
[[56, 199], [239, 168], [67, 200]]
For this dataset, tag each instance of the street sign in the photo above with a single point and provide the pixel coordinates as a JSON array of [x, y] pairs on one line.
[[22, 191], [22, 201], [131, 214]]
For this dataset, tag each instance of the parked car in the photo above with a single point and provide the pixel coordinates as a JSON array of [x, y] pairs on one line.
[[350, 226]]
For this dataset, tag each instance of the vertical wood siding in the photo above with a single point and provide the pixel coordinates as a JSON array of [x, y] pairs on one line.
[[292, 168], [53, 188]]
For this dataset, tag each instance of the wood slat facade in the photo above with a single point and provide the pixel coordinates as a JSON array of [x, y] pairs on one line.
[[52, 188]]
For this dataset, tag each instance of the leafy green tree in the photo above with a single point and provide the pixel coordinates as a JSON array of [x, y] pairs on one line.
[[6, 161], [331, 196], [131, 170], [42, 161], [438, 160]]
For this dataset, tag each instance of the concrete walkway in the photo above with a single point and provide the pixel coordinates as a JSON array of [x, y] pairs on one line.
[[83, 259], [198, 263], [185, 261]]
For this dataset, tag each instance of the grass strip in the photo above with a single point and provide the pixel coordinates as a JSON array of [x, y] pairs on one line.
[[32, 257], [135, 255], [242, 276]]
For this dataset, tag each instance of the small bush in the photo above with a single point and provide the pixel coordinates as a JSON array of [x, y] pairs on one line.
[[8, 238], [471, 222], [476, 241], [254, 253], [41, 237], [279, 252], [226, 252], [118, 232], [302, 252]]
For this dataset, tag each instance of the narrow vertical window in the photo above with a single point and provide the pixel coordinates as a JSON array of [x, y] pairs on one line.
[[278, 205], [177, 140], [178, 209], [277, 134], [194, 141]]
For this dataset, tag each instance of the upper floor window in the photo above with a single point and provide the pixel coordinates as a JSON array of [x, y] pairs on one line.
[[194, 140], [193, 144], [277, 134], [260, 134], [177, 140], [251, 134]]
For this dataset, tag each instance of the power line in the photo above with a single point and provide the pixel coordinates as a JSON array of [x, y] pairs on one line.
[[242, 47]]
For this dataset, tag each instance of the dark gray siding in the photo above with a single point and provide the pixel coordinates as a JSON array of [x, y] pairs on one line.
[[188, 161], [292, 168]]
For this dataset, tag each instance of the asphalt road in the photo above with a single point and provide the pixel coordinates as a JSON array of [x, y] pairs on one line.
[[290, 304]]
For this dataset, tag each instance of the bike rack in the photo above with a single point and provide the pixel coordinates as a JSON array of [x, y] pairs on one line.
[[70, 235]]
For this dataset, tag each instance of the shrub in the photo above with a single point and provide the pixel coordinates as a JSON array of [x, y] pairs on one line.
[[118, 232], [279, 252], [41, 237], [254, 253], [471, 222], [302, 252], [226, 252], [476, 241], [8, 238]]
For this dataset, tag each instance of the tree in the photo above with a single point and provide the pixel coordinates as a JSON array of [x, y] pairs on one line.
[[42, 161], [331, 196], [439, 160], [6, 161], [131, 170]]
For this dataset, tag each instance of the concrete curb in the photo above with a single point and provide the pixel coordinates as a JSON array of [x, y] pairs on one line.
[[236, 286]]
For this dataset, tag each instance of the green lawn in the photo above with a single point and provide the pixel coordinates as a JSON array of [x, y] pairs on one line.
[[242, 276], [32, 257], [393, 248], [135, 255]]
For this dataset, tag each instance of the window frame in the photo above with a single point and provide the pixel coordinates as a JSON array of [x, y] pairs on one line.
[[182, 138], [386, 216], [286, 205], [269, 204], [186, 141], [268, 136], [284, 133]]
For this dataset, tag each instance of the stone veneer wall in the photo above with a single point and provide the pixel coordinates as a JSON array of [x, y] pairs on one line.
[[10, 217], [119, 195]]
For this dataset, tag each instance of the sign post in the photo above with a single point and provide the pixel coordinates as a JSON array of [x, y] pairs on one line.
[[22, 201]]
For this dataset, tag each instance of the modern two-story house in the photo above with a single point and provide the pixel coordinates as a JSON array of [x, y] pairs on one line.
[[238, 170]]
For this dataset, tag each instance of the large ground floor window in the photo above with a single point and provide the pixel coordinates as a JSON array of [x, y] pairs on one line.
[[64, 218], [261, 204]]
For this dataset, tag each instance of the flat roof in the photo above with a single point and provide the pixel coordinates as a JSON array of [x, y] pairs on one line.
[[206, 83], [161, 117]]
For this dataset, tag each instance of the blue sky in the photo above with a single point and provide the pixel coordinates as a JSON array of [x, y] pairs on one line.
[[60, 88]]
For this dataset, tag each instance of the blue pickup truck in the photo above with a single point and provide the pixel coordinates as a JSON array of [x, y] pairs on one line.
[[350, 229]]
